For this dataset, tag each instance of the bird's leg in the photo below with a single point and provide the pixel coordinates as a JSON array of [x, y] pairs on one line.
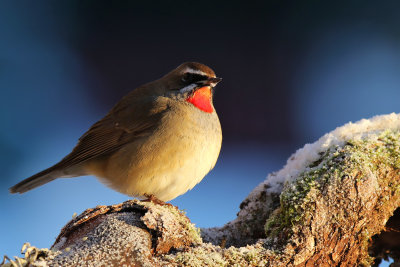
[[155, 200]]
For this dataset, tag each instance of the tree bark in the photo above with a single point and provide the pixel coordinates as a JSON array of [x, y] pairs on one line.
[[332, 211]]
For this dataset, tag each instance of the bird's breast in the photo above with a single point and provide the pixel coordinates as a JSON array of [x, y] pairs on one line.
[[180, 152]]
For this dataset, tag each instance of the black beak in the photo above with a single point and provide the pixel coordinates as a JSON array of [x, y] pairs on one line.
[[210, 82]]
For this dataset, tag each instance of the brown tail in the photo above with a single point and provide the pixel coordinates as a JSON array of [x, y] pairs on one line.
[[36, 180]]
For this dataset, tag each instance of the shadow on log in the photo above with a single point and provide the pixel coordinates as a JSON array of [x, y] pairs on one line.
[[330, 205]]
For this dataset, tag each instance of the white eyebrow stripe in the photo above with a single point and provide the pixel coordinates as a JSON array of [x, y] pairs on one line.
[[188, 88], [195, 71]]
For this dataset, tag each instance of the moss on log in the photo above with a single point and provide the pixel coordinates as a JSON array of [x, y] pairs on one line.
[[329, 206]]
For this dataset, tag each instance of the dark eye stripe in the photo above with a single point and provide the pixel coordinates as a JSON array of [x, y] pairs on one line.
[[189, 78]]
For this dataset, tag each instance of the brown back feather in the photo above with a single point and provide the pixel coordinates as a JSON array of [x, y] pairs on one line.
[[126, 122]]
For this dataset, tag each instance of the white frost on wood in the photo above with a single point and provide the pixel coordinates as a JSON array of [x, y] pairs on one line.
[[303, 157], [260, 202]]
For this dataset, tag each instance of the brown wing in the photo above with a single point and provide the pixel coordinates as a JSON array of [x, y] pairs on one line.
[[127, 121]]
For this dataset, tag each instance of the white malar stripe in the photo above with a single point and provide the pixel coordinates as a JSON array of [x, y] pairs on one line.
[[188, 88], [190, 70]]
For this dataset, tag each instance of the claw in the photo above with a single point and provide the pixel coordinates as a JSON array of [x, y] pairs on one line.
[[155, 200]]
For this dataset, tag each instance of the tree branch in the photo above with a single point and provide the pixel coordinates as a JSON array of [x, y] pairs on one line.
[[326, 207]]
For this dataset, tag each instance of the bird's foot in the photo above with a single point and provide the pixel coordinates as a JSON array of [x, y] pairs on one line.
[[155, 200]]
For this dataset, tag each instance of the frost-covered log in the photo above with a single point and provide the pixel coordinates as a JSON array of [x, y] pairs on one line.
[[328, 206]]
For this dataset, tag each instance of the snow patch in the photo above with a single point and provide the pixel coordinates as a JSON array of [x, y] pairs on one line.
[[302, 158]]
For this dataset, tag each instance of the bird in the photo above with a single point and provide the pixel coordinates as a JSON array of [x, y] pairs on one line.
[[159, 140]]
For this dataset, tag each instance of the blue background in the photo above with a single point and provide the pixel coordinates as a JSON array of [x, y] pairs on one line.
[[292, 71]]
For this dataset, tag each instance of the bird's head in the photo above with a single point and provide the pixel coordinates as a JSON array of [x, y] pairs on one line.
[[192, 82]]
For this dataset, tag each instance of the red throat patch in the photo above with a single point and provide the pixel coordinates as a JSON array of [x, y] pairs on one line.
[[201, 98]]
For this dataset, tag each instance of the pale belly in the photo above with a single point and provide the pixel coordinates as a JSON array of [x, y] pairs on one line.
[[168, 163]]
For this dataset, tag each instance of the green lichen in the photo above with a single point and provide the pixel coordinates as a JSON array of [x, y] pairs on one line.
[[181, 217], [385, 150], [297, 201], [207, 255], [298, 196], [32, 256], [194, 232], [358, 159], [197, 257]]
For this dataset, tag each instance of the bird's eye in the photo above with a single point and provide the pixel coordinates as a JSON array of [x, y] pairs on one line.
[[186, 78], [189, 77]]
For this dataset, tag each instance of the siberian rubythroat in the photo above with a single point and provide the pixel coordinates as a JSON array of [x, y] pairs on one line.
[[161, 139]]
